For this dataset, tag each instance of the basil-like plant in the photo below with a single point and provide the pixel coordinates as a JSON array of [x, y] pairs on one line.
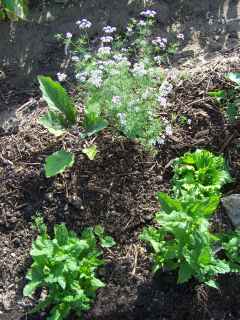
[[200, 174], [65, 267], [182, 241]]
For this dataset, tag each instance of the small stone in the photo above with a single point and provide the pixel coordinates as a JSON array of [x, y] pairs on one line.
[[232, 206]]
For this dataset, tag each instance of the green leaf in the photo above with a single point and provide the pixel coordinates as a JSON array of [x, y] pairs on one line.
[[90, 151], [184, 273], [57, 98], [61, 234], [54, 122], [212, 284], [30, 288], [96, 283], [94, 124], [15, 8], [99, 230], [167, 203], [107, 242], [217, 94], [234, 76], [58, 162]]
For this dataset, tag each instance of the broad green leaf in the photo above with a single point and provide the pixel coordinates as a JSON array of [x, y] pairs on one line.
[[54, 122], [107, 242], [234, 76], [90, 151], [212, 284], [58, 162], [184, 273], [217, 94], [57, 98]]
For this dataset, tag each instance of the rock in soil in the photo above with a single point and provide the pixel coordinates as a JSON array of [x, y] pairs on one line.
[[232, 206]]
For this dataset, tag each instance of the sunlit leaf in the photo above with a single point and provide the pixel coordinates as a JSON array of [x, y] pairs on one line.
[[91, 151], [58, 162]]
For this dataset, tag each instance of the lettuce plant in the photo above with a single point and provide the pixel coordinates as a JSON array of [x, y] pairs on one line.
[[199, 174], [182, 241], [231, 246], [65, 267]]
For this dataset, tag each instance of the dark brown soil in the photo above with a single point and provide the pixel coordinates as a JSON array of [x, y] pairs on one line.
[[116, 190]]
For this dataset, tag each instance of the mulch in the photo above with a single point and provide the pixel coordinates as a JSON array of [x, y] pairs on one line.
[[116, 190]]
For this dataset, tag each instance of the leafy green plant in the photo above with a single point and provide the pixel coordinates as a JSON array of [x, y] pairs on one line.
[[183, 242], [231, 246], [13, 9], [199, 174], [229, 98], [62, 113], [65, 267], [120, 81]]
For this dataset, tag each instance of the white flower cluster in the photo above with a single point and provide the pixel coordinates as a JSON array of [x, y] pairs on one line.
[[81, 76], [61, 76], [139, 69], [68, 35], [106, 39], [180, 36], [122, 119], [84, 24], [120, 58], [109, 29], [158, 59], [75, 59], [116, 99], [96, 78], [162, 101], [142, 23], [104, 50], [161, 42], [165, 88], [148, 13]]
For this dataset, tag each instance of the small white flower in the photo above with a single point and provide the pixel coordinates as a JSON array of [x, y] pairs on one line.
[[75, 58], [142, 23], [107, 39], [84, 24], [180, 36], [68, 35], [160, 42], [189, 121], [168, 130], [122, 119], [104, 50], [162, 101], [165, 88], [87, 56], [109, 29], [61, 76], [81, 76], [161, 140], [139, 69], [158, 59], [96, 78], [148, 13], [116, 99]]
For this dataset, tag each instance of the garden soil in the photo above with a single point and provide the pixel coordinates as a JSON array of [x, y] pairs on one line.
[[116, 190]]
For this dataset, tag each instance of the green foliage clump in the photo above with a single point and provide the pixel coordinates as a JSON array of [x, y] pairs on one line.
[[65, 267], [183, 240], [199, 174]]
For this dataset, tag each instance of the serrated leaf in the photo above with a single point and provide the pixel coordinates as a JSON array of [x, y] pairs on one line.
[[61, 234], [57, 98], [167, 203], [58, 162], [99, 230], [90, 151], [234, 76], [54, 122], [96, 283]]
